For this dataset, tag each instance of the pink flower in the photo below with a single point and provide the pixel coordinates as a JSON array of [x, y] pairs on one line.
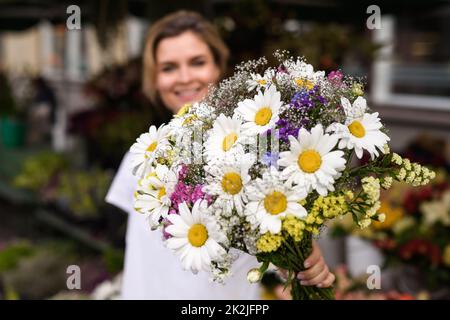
[[199, 194], [335, 77], [189, 194], [183, 172], [167, 223]]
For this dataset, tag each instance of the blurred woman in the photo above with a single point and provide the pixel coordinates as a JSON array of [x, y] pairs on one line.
[[183, 55]]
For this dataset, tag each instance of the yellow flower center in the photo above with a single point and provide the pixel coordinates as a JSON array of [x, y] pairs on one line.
[[263, 116], [309, 161], [262, 82], [161, 193], [197, 235], [232, 183], [275, 203], [228, 141], [152, 147], [303, 83], [357, 129]]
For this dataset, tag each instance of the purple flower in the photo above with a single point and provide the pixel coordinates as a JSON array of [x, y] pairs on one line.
[[270, 158], [286, 128], [302, 100], [281, 69]]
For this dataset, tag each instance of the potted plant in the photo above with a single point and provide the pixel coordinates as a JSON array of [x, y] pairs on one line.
[[12, 125]]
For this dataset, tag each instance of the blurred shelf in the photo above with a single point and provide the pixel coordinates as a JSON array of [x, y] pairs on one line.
[[417, 117]]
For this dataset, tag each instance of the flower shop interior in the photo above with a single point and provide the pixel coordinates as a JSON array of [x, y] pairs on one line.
[[71, 105]]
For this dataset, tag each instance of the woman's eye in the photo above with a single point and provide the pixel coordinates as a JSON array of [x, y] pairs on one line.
[[198, 62], [168, 68]]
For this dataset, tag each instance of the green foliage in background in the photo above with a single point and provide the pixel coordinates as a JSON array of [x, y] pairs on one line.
[[38, 170], [113, 259], [11, 255], [84, 191]]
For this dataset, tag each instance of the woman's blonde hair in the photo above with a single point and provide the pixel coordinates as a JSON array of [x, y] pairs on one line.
[[173, 25]]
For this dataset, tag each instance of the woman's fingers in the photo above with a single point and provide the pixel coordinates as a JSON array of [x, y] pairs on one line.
[[317, 272], [314, 257], [328, 281], [318, 278], [313, 271]]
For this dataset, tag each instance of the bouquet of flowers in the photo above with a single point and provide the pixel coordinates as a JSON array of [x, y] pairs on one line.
[[260, 164], [416, 232]]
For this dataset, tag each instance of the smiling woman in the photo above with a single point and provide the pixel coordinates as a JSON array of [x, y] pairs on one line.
[[184, 76], [184, 54]]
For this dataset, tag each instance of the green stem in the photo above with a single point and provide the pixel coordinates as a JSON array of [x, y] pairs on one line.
[[302, 292]]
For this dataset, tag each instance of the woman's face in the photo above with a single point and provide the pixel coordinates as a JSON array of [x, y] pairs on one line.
[[184, 68]]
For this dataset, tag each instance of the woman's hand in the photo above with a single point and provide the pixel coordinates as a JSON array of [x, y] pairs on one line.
[[317, 272]]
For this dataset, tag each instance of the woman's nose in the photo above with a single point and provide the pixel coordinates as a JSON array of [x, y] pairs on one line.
[[185, 74]]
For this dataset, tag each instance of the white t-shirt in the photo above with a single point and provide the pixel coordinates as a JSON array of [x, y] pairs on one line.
[[153, 271]]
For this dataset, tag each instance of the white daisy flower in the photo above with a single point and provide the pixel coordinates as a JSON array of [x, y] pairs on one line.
[[195, 237], [225, 138], [310, 162], [144, 148], [258, 81], [261, 113], [361, 130], [227, 179], [303, 74], [153, 194], [270, 200]]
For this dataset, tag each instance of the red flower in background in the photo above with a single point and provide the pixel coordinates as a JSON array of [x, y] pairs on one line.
[[420, 247], [414, 198], [385, 244]]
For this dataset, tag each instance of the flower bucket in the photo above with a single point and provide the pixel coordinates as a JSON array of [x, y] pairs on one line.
[[12, 132]]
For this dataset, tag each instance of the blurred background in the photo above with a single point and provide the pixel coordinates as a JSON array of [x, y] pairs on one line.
[[71, 105]]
